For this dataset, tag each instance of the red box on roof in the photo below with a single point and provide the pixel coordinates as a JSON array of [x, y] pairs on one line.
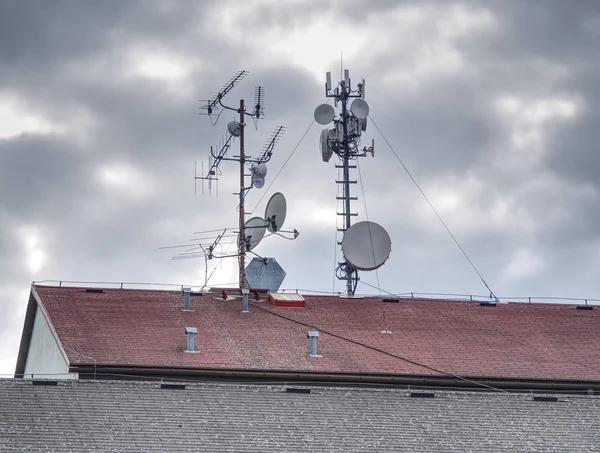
[[287, 300]]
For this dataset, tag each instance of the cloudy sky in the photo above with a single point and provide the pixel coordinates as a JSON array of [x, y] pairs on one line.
[[492, 105]]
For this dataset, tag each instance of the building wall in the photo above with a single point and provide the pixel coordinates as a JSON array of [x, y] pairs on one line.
[[45, 359]]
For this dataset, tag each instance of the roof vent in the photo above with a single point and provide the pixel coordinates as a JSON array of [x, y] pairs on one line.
[[422, 395], [94, 290], [585, 307], [186, 299], [287, 300], [172, 386], [296, 390], [390, 299], [313, 335], [245, 294], [191, 332], [547, 399], [487, 304], [44, 382]]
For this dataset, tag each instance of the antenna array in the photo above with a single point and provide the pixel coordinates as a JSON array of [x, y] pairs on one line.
[[366, 245], [250, 232]]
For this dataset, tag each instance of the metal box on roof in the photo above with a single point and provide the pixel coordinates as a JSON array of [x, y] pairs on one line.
[[264, 273]]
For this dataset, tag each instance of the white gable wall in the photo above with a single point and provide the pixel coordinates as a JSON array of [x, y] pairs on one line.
[[45, 359]]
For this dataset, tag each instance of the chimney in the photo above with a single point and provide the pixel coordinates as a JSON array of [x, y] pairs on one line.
[[245, 294], [313, 335], [191, 332], [186, 299]]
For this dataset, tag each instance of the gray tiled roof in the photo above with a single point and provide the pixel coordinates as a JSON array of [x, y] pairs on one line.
[[122, 416]]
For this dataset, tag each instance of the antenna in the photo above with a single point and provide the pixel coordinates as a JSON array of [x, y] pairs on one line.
[[365, 245], [259, 94], [267, 151], [212, 105], [250, 232]]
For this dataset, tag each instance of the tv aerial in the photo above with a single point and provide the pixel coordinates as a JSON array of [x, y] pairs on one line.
[[249, 233], [365, 245]]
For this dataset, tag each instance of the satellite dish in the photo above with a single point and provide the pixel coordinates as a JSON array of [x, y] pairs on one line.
[[258, 180], [366, 246], [254, 231], [360, 108], [324, 114], [275, 212], [259, 171], [233, 127], [326, 151]]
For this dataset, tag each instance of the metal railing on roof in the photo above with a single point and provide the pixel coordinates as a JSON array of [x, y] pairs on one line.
[[405, 295]]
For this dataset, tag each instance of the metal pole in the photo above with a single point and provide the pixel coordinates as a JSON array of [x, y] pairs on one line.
[[242, 238], [345, 159]]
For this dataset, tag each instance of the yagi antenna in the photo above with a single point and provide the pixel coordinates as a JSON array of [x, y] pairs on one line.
[[259, 102], [213, 104], [267, 150]]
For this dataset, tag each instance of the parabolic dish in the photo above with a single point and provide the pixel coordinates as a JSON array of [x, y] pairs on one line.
[[360, 108], [275, 212], [324, 114], [254, 231], [233, 127], [326, 151], [366, 245]]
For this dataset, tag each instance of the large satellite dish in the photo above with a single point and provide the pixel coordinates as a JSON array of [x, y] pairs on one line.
[[254, 231], [326, 151], [360, 108], [366, 246], [324, 114], [275, 212]]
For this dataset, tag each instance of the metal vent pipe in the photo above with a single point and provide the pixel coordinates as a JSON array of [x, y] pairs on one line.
[[245, 294], [186, 299], [313, 335], [191, 332]]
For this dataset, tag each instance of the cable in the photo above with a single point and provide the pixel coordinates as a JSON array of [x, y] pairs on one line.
[[284, 164], [492, 295], [362, 188], [382, 351]]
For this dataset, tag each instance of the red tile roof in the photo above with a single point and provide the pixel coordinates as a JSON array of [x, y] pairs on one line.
[[147, 328]]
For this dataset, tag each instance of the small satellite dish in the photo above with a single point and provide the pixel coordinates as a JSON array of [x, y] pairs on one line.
[[360, 108], [258, 180], [233, 127], [275, 212], [324, 114], [259, 171], [254, 231], [366, 246], [326, 151]]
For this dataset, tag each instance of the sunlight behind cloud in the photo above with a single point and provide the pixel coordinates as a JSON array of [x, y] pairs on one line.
[[125, 179], [16, 119], [35, 256]]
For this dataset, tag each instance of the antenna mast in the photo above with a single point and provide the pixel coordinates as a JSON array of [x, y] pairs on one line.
[[242, 236], [344, 140], [251, 232]]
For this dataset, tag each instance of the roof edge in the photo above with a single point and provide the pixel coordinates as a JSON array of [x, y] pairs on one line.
[[485, 383], [32, 305], [51, 326]]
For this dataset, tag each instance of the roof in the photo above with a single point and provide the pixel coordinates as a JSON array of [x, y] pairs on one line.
[[146, 328], [127, 416]]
